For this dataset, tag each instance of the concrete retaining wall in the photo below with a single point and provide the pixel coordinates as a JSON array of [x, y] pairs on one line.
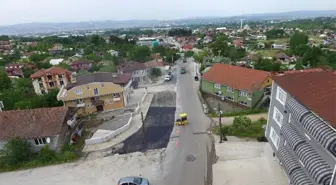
[[115, 133]]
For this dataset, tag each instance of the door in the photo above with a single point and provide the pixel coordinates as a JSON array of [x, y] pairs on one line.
[[99, 108]]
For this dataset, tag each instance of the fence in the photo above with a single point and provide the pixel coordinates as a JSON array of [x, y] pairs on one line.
[[115, 133]]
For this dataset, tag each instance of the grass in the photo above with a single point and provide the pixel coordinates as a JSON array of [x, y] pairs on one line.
[[240, 113], [279, 40], [255, 130], [268, 52]]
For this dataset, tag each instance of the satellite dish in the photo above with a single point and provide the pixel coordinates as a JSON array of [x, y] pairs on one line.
[[48, 140]]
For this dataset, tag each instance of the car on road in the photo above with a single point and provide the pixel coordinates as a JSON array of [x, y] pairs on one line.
[[133, 181], [168, 77]]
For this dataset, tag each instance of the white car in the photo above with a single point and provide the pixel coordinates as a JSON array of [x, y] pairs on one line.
[[168, 77]]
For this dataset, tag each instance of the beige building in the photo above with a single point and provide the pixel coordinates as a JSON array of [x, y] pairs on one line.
[[95, 93], [52, 78]]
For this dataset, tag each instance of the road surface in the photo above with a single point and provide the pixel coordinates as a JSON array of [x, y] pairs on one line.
[[185, 160]]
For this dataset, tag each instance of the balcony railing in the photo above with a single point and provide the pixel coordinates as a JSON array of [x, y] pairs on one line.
[[116, 99]]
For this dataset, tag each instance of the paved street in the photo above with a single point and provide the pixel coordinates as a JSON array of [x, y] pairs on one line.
[[189, 141]]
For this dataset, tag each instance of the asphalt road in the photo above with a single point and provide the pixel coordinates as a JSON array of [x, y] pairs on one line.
[[186, 162], [158, 125]]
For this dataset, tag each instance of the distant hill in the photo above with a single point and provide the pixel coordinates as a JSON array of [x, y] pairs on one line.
[[34, 28]]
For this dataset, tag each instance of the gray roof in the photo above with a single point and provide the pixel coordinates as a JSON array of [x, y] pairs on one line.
[[101, 77]]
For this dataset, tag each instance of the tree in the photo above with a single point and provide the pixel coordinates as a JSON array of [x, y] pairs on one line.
[[108, 67], [4, 38], [299, 65], [37, 57], [155, 72], [189, 54], [298, 39], [300, 50], [63, 65], [200, 56], [16, 151], [267, 65], [43, 65], [5, 82], [140, 53], [180, 32], [220, 46], [275, 33], [241, 123]]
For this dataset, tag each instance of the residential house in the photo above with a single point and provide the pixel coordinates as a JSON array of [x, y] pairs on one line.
[[238, 85], [187, 47], [238, 43], [5, 46], [52, 78], [138, 70], [40, 127], [97, 92], [113, 53], [155, 64], [279, 46], [14, 70], [301, 126], [81, 65], [283, 58], [56, 49]]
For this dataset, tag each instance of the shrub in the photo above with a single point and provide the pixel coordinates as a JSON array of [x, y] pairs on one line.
[[67, 156], [45, 155], [17, 151], [241, 123], [155, 72]]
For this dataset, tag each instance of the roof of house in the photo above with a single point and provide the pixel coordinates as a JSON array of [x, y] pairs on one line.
[[53, 71], [129, 67], [236, 77], [282, 55], [101, 77], [187, 46], [154, 63], [32, 123], [304, 71], [314, 90]]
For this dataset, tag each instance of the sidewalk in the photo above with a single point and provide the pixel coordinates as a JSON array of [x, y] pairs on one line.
[[229, 120], [135, 126]]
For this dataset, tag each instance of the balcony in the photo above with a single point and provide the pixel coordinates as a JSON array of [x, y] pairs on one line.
[[80, 105], [116, 99]]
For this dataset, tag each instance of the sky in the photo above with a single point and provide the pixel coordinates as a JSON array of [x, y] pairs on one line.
[[27, 11]]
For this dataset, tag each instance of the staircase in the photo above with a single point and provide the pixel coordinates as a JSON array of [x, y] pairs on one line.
[[262, 100]]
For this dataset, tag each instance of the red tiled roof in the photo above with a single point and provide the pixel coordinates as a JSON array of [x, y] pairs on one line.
[[187, 46], [154, 63], [236, 77], [32, 123], [52, 71], [304, 71], [315, 90]]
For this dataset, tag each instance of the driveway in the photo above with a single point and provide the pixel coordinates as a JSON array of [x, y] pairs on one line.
[[247, 163]]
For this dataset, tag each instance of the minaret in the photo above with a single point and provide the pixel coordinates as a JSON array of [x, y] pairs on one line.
[[241, 23]]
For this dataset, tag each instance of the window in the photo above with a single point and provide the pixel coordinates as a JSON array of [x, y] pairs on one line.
[[61, 82], [274, 138], [217, 86], [95, 91], [277, 116], [40, 79], [281, 96], [290, 118], [51, 84], [116, 95], [229, 98], [40, 141], [41, 85], [285, 143], [79, 101], [43, 91], [60, 76], [49, 77], [229, 89], [79, 91], [243, 93]]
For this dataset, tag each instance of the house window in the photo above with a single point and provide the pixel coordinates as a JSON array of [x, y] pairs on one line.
[[217, 86], [95, 91], [243, 93], [78, 101], [277, 116], [274, 138], [229, 89], [79, 91], [281, 96], [285, 143], [39, 79], [51, 84], [49, 77], [60, 76], [40, 141], [43, 92], [116, 95], [41, 85], [61, 82], [229, 98]]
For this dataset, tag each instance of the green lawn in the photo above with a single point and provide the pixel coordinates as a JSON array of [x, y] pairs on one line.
[[268, 52], [280, 40]]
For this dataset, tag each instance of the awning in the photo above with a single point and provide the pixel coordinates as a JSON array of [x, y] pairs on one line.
[[314, 163], [292, 135], [297, 110], [287, 159], [321, 132], [299, 177]]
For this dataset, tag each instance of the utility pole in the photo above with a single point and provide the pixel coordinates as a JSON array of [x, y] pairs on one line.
[[143, 128], [220, 124]]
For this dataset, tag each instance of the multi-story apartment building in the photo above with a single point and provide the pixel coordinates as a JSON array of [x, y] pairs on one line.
[[301, 126], [96, 92], [239, 85], [52, 78]]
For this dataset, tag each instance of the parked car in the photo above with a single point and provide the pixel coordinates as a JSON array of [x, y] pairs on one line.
[[168, 77], [133, 181]]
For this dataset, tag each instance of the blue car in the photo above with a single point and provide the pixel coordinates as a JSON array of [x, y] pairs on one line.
[[133, 181]]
